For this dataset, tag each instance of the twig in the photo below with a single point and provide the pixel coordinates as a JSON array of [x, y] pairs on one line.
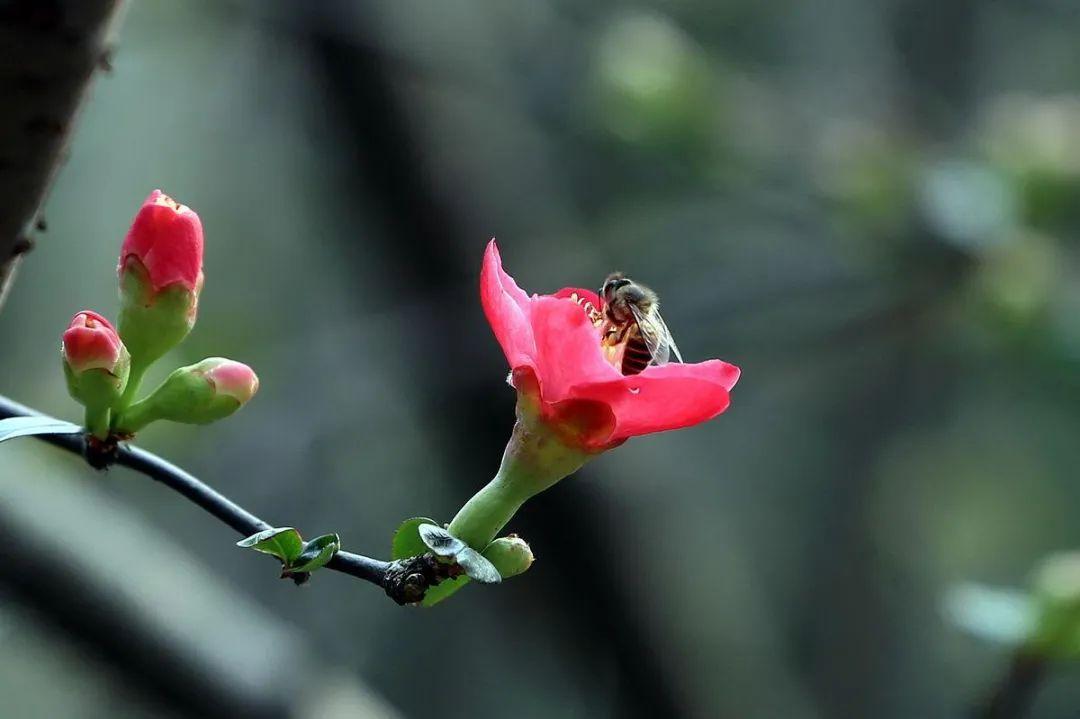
[[51, 51], [1012, 696], [404, 581]]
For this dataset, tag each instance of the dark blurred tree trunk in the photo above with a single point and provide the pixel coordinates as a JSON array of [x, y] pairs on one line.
[[51, 50], [935, 44], [425, 235]]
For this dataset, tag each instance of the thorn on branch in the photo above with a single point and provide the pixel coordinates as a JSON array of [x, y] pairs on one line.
[[407, 580]]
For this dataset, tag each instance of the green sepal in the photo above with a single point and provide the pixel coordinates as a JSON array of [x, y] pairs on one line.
[[98, 389], [317, 552], [285, 543], [152, 323]]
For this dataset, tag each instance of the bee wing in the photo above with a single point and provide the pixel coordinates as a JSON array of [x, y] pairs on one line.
[[657, 336]]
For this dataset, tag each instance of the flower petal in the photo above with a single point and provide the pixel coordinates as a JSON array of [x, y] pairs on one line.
[[507, 309], [663, 398], [167, 237], [567, 348]]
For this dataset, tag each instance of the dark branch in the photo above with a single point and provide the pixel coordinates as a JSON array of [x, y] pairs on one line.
[[404, 581], [51, 51], [1012, 696]]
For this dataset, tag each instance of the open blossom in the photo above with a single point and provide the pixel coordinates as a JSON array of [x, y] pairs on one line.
[[556, 359], [90, 342], [166, 238]]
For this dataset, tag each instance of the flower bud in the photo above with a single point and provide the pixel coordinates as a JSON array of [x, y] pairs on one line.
[[198, 394], [95, 360], [161, 276], [511, 555]]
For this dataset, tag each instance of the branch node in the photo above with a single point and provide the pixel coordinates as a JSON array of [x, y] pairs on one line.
[[101, 453], [407, 580]]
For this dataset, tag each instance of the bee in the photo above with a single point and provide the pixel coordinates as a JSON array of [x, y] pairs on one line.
[[633, 333]]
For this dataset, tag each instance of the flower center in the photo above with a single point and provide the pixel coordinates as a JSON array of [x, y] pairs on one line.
[[613, 338], [590, 310]]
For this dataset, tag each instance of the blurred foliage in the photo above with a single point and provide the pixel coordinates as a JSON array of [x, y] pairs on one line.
[[871, 207]]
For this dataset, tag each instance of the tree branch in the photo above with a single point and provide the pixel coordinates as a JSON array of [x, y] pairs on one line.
[[1012, 696], [52, 48], [404, 581]]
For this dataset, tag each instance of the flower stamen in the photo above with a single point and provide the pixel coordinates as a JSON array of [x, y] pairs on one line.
[[591, 312]]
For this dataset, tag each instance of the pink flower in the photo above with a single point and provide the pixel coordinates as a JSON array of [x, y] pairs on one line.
[[230, 378], [167, 239], [557, 364], [90, 342]]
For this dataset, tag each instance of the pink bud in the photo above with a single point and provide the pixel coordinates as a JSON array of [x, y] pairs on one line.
[[167, 238], [90, 342], [233, 379]]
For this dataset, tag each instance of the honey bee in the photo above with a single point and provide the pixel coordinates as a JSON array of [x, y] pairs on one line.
[[633, 333]]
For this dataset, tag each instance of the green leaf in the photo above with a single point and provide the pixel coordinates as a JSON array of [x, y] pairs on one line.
[[407, 542], [13, 427], [1004, 616], [477, 566], [442, 590], [510, 555], [316, 553], [441, 542], [284, 543]]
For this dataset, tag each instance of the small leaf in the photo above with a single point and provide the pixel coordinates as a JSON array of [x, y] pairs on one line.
[[13, 427], [407, 542], [441, 542], [999, 615], [508, 554], [443, 589], [478, 567], [284, 543], [316, 553]]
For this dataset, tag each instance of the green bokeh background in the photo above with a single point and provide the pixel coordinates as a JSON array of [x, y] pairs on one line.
[[871, 207]]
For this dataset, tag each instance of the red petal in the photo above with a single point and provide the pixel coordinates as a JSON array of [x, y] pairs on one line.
[[507, 309], [90, 342], [663, 398], [580, 422], [167, 238], [567, 348]]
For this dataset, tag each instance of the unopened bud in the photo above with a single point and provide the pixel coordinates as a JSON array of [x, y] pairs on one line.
[[161, 276], [95, 360], [511, 555], [198, 394]]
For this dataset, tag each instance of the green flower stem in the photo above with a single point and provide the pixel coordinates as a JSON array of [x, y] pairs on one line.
[[135, 378], [97, 421], [137, 416], [535, 459]]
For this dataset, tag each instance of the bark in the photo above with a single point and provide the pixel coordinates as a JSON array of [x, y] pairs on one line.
[[51, 51]]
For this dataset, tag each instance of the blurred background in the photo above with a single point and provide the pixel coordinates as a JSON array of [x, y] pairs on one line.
[[871, 207]]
